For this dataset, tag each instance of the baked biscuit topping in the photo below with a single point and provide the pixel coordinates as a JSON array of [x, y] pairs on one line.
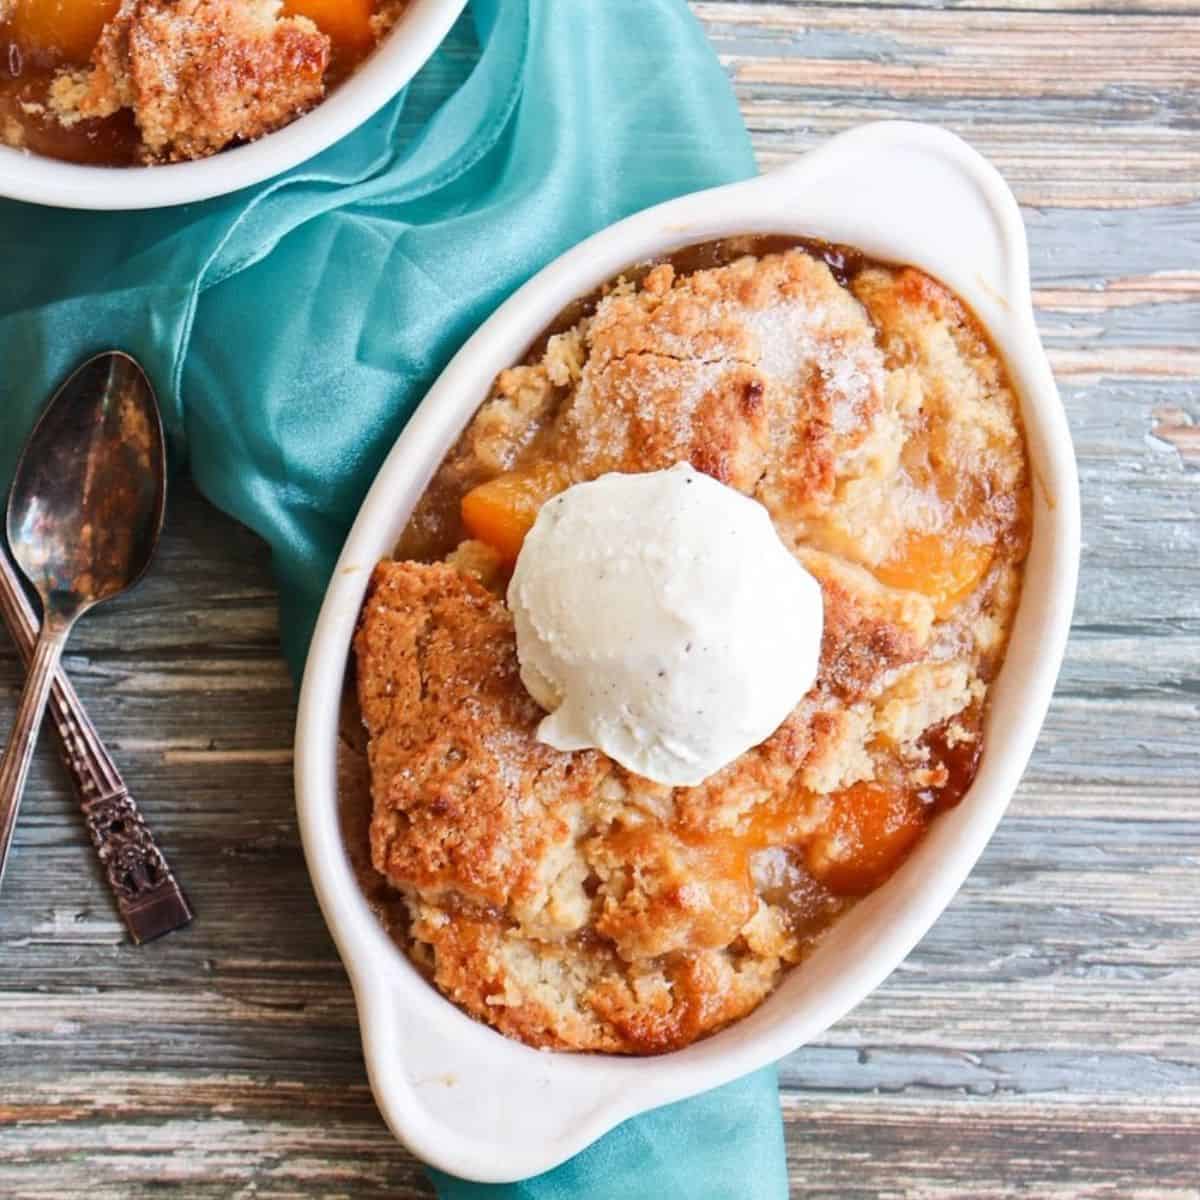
[[199, 74], [558, 896], [120, 81]]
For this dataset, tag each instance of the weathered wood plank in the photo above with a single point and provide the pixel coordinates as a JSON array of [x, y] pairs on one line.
[[996, 1147], [944, 1151], [711, 11], [1095, 109]]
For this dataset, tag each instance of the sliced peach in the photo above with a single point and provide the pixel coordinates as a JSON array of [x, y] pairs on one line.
[[502, 511], [60, 29], [944, 569], [869, 831], [347, 22]]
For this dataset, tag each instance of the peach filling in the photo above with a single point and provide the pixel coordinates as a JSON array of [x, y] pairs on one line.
[[502, 511], [62, 30], [943, 568], [346, 22], [868, 832]]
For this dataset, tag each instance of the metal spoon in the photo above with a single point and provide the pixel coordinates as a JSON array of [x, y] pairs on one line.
[[84, 516]]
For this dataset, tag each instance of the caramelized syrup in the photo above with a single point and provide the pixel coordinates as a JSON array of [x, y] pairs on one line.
[[961, 760]]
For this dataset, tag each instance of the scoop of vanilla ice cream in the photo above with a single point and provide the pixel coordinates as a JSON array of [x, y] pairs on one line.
[[660, 619]]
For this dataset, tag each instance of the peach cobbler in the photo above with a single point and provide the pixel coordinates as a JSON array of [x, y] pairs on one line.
[[575, 904], [119, 82]]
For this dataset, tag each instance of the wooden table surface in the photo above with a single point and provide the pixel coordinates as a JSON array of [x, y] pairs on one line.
[[1043, 1039]]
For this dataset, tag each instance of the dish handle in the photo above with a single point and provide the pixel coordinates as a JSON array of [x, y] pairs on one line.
[[475, 1104], [937, 204]]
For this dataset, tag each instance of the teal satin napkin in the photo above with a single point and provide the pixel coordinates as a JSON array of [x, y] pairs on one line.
[[292, 328]]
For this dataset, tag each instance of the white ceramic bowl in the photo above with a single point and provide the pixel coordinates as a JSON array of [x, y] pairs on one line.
[[400, 56], [463, 1097]]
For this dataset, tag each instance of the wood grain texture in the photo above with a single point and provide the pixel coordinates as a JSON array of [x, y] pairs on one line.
[[1044, 1039]]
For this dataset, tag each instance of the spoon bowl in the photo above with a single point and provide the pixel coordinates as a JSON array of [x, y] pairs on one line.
[[84, 517]]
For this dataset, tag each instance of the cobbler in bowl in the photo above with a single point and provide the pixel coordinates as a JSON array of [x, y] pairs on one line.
[[137, 82], [564, 899]]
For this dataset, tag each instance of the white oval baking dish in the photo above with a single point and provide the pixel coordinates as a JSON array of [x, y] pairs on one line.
[[42, 180], [463, 1097]]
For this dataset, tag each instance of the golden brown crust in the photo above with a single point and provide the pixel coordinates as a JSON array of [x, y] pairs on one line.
[[763, 366], [199, 74], [575, 905], [870, 630], [579, 995], [647, 412], [466, 799], [964, 444]]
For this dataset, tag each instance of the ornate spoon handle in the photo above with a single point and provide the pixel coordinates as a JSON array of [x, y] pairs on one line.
[[150, 901]]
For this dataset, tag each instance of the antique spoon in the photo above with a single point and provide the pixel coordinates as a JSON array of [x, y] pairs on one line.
[[148, 896], [84, 516]]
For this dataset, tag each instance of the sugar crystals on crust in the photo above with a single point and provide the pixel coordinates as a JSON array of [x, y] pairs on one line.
[[199, 74]]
